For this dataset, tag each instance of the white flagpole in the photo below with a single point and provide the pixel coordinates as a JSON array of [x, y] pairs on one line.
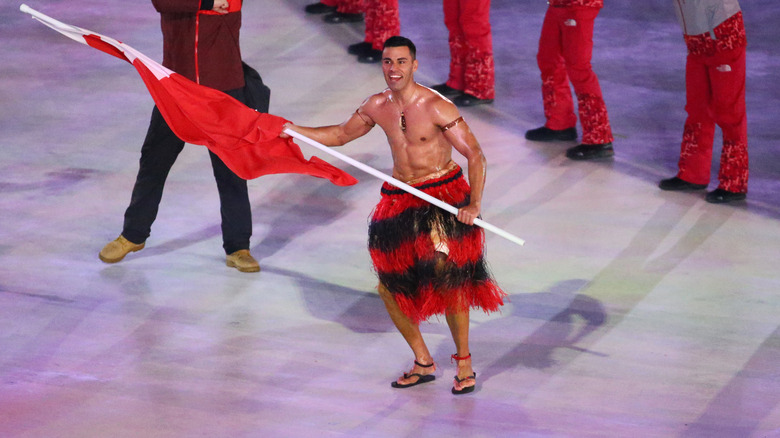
[[406, 187]]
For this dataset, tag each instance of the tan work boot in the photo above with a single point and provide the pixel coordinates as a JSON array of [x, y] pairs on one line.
[[243, 261], [116, 250]]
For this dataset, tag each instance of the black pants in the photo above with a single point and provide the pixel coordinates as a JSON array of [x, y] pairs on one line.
[[159, 152]]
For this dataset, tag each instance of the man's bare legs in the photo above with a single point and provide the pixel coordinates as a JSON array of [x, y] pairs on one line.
[[411, 333], [459, 327]]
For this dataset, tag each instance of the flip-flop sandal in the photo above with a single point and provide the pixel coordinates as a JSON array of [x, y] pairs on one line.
[[458, 381], [467, 389], [421, 378]]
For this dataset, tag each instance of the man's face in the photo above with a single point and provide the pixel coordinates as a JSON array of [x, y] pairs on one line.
[[398, 67]]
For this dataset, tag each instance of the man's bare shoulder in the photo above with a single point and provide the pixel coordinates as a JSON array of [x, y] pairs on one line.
[[375, 100], [431, 95], [441, 109]]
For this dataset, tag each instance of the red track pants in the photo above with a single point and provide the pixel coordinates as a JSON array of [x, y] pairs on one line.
[[382, 18], [471, 47], [715, 94], [565, 50], [382, 21]]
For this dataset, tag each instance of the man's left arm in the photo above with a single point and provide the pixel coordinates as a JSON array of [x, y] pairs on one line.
[[458, 133]]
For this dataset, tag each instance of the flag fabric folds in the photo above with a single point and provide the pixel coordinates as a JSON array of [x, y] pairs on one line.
[[247, 141]]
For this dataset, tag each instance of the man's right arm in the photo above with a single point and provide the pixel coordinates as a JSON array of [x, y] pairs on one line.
[[358, 125]]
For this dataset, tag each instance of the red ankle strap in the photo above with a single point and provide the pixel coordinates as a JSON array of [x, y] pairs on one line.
[[456, 357]]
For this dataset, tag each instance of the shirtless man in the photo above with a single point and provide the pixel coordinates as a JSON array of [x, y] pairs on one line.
[[427, 261]]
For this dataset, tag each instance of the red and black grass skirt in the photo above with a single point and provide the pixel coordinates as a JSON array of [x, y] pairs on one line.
[[404, 256]]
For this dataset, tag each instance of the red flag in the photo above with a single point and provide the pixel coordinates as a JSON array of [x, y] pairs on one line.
[[246, 140]]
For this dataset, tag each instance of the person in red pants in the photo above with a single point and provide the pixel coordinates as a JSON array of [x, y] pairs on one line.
[[565, 51], [714, 33], [382, 22], [472, 70]]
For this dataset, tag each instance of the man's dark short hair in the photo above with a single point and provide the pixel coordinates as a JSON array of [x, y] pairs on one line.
[[399, 41]]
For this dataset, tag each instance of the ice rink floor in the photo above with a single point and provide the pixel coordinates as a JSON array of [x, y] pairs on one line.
[[633, 312]]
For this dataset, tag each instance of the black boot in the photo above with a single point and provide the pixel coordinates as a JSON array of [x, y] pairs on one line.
[[446, 91], [722, 196], [370, 57], [675, 184], [546, 134], [466, 99], [590, 151], [319, 8], [359, 48], [340, 17]]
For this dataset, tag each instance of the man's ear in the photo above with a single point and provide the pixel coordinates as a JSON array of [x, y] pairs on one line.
[[414, 65]]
